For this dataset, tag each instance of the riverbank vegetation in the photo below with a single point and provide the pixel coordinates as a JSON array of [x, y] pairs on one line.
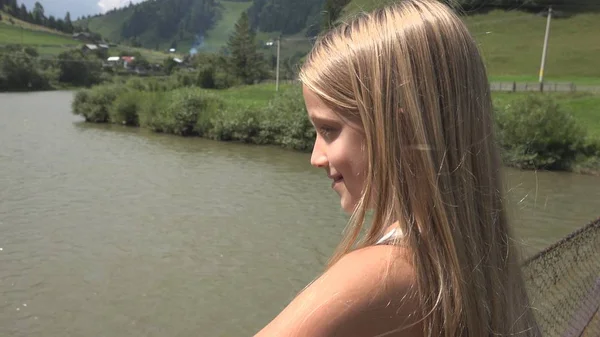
[[535, 131]]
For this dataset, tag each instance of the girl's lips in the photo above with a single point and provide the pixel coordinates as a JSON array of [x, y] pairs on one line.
[[336, 181]]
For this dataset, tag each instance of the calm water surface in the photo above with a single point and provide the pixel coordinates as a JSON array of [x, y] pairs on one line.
[[113, 231]]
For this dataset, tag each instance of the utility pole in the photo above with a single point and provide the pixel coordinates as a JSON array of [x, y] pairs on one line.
[[545, 48], [277, 71]]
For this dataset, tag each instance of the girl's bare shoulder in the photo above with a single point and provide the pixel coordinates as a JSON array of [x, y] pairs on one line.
[[369, 292]]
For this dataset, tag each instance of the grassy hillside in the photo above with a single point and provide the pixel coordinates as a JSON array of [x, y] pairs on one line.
[[219, 34], [45, 40], [50, 43], [512, 41], [109, 26], [12, 21]]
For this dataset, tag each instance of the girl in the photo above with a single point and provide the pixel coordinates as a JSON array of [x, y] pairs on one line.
[[401, 104]]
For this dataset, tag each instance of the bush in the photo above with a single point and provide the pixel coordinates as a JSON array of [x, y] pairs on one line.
[[285, 122], [78, 69], [184, 112], [223, 79], [94, 104], [79, 101], [236, 124], [124, 109], [535, 132], [149, 109], [20, 71]]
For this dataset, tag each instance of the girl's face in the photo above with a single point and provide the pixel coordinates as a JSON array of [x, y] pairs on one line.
[[338, 149]]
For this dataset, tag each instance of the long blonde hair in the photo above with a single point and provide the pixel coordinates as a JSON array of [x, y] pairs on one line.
[[411, 76]]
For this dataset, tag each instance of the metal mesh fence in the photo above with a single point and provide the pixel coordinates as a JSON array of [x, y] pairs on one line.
[[564, 285]]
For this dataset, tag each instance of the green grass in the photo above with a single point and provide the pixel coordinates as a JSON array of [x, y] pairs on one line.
[[109, 26], [51, 43], [511, 43], [10, 34], [513, 46], [250, 95], [219, 34], [585, 107]]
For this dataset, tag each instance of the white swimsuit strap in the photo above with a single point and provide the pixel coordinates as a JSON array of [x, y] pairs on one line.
[[396, 232]]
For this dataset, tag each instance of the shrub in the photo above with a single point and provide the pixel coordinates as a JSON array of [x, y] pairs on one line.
[[285, 122], [149, 109], [236, 124], [223, 79], [79, 102], [20, 71], [78, 69], [124, 109], [185, 111], [535, 132], [94, 104]]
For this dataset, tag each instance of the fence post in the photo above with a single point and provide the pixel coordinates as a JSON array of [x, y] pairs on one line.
[[514, 89]]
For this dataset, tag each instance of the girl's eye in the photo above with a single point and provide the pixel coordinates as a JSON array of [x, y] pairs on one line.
[[326, 132]]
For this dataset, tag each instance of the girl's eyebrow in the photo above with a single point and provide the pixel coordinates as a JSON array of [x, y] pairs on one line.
[[326, 120]]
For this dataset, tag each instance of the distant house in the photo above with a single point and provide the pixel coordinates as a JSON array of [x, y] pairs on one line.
[[82, 36], [89, 47], [93, 47], [127, 60], [113, 61]]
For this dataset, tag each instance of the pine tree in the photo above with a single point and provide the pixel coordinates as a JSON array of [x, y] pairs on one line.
[[13, 8], [68, 25], [38, 14], [23, 13], [246, 62]]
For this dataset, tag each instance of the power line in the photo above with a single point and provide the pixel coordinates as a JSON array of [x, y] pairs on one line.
[[54, 59]]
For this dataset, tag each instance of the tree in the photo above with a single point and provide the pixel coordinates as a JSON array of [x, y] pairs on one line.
[[23, 13], [20, 70], [38, 13], [68, 25], [76, 68], [246, 62], [13, 8], [51, 23]]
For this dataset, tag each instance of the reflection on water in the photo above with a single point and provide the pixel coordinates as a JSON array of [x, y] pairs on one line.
[[108, 230]]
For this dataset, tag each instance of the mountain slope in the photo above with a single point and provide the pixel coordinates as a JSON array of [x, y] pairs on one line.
[[218, 35], [203, 24], [50, 43], [156, 24], [47, 41], [511, 41]]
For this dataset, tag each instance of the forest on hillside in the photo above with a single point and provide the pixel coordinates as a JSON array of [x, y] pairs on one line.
[[175, 20], [37, 16], [169, 18]]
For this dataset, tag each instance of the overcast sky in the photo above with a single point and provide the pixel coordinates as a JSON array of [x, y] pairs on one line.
[[77, 8]]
